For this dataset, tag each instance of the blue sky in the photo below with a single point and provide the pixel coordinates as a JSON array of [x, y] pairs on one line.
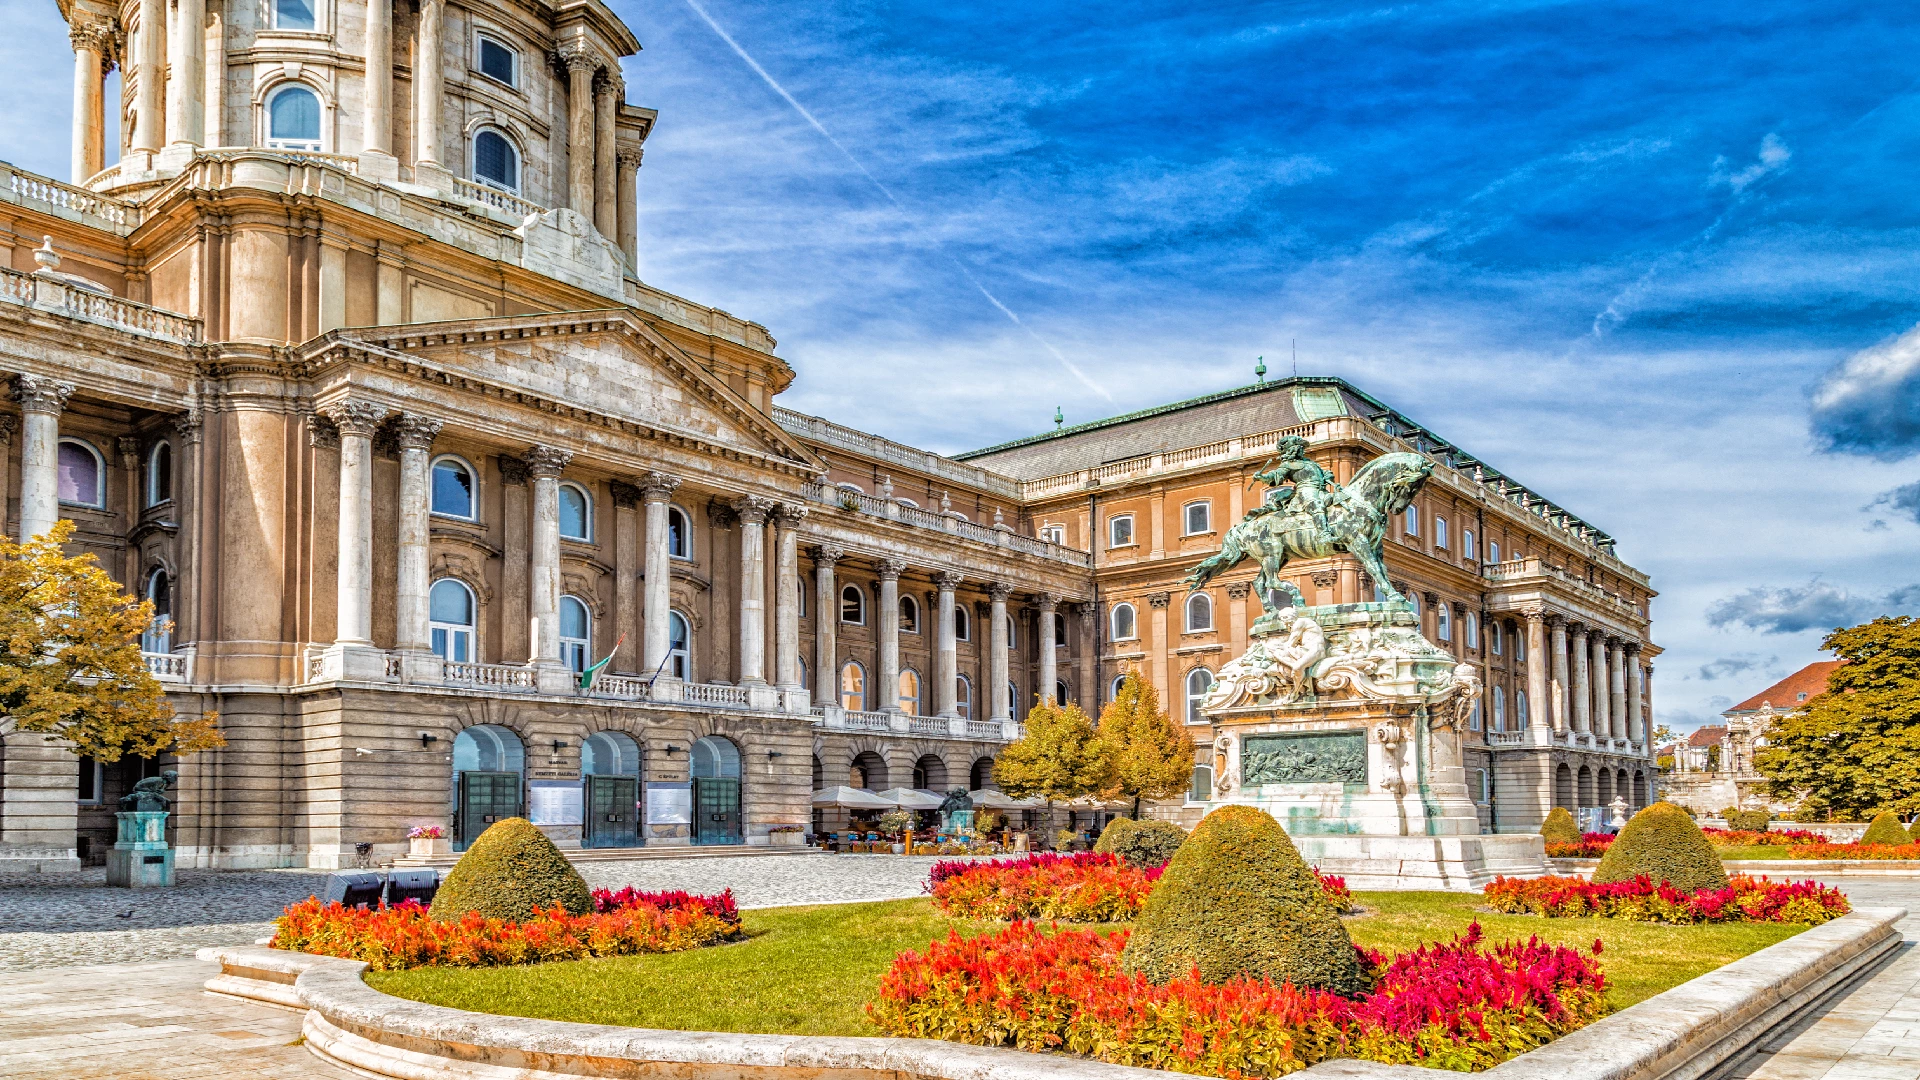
[[1658, 260]]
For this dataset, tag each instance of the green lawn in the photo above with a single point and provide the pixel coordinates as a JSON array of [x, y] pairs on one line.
[[808, 970], [1757, 851]]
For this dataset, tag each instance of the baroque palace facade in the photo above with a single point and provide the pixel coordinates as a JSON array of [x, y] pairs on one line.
[[345, 364]]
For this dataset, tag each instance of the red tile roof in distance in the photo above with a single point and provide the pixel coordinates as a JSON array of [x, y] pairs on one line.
[[1793, 691], [1708, 736]]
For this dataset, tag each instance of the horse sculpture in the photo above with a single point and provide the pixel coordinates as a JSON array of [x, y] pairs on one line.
[[1356, 523]]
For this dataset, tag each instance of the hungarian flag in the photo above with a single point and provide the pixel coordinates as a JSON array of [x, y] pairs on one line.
[[587, 676]]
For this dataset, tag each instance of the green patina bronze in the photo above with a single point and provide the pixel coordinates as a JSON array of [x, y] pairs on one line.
[[1333, 757]]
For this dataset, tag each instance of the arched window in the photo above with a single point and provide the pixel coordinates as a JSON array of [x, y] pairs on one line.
[[1062, 693], [806, 682], [1520, 710], [910, 692], [715, 758], [962, 623], [576, 637], [909, 615], [160, 473], [453, 488], [853, 687], [1199, 681], [1122, 622], [1015, 706], [853, 605], [576, 512], [1493, 551], [82, 474], [1499, 709], [1472, 638], [159, 633], [293, 118], [1443, 621], [609, 753], [293, 14], [1493, 638], [1199, 613], [1113, 691], [679, 650], [1519, 645], [1120, 530], [963, 696], [1059, 631], [450, 609], [679, 534], [1413, 603], [495, 162]]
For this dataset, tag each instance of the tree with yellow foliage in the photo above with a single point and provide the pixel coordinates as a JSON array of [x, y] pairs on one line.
[[71, 667], [1152, 757], [1059, 758]]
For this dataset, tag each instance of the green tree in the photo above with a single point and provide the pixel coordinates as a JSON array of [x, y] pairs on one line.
[[71, 667], [1061, 757], [1855, 749], [1152, 756]]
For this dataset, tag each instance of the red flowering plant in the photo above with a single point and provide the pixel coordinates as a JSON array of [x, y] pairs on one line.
[[1454, 1006], [1760, 838], [1745, 899], [1087, 886], [1590, 846], [406, 936], [720, 904], [1823, 850]]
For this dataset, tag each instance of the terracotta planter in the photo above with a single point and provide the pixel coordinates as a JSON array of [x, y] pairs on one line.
[[423, 846]]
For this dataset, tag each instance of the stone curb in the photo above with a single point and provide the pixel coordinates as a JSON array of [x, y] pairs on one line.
[[1677, 1035], [1757, 867]]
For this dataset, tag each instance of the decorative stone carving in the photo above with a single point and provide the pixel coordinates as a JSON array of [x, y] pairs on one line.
[[753, 509], [39, 394], [187, 426], [658, 486], [625, 496], [1240, 590], [547, 462], [1375, 655], [828, 555], [629, 157], [720, 515], [890, 569], [1159, 599], [8, 425], [947, 580], [412, 431], [1336, 757], [998, 591], [322, 433], [360, 418], [789, 515], [1327, 579], [513, 470], [129, 448]]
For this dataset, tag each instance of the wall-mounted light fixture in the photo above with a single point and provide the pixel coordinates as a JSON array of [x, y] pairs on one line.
[[775, 754], [427, 739], [672, 749]]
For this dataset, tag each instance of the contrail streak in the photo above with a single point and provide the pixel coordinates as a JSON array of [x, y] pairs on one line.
[[814, 122]]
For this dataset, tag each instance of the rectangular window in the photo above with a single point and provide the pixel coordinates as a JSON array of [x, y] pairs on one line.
[[1202, 784], [1466, 544], [1054, 534], [1439, 532], [91, 775], [1472, 638], [497, 61], [1413, 521], [1443, 621], [1493, 551], [1475, 722], [1199, 517], [1120, 531], [293, 14]]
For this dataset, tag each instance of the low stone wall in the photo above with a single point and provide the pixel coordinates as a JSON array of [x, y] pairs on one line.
[[1678, 1035], [1770, 867]]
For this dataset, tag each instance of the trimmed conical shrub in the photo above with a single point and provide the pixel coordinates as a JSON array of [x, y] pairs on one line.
[[1145, 844], [1663, 843], [1886, 829], [1238, 900], [510, 872], [1913, 831], [1560, 828]]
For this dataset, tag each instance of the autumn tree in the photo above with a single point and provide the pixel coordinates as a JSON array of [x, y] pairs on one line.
[[1855, 749], [1061, 757], [72, 668], [1152, 756]]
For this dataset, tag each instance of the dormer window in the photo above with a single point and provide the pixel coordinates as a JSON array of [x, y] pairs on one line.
[[499, 63]]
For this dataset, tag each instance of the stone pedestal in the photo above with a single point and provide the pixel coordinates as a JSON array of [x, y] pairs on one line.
[[140, 858]]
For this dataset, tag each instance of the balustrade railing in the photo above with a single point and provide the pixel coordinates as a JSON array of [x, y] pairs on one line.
[[498, 676], [620, 686], [709, 694], [89, 207], [869, 721], [950, 523], [1506, 738], [58, 296], [927, 725], [167, 667], [504, 201], [984, 729]]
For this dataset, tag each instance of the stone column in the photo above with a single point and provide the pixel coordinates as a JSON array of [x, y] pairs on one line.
[[627, 162], [1582, 687], [826, 621], [1539, 708], [581, 65], [544, 465], [41, 401], [630, 626], [429, 82], [149, 102], [888, 628], [187, 66], [1049, 641], [657, 488], [946, 657], [1557, 632], [1636, 703], [376, 116], [215, 81], [786, 599], [514, 564], [1597, 679], [1617, 689], [416, 504], [1089, 656], [92, 43], [609, 90], [753, 511], [997, 692], [357, 421]]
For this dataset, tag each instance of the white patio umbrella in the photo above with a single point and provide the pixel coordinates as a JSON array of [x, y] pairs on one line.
[[907, 798], [851, 798], [989, 799]]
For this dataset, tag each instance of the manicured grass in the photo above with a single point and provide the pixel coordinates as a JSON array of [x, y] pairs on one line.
[[809, 970], [1756, 851]]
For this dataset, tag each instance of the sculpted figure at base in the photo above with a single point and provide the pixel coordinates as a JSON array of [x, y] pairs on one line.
[[1305, 646]]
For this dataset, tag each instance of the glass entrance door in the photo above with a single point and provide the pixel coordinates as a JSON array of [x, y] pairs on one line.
[[485, 797], [716, 810], [613, 818]]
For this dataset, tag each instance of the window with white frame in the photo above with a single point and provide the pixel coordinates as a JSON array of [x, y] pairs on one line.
[[1499, 709], [909, 615], [1053, 534], [158, 637], [1413, 521], [293, 15], [1015, 707], [1471, 638], [1483, 785], [1199, 613], [160, 473], [450, 619], [853, 605], [1475, 723], [1443, 621], [576, 513], [1493, 638], [1199, 682], [679, 534], [453, 488], [293, 119], [853, 687], [679, 647], [1013, 632], [1493, 551], [496, 60], [576, 637], [93, 781], [1113, 691], [1520, 645], [1120, 531], [495, 161], [1439, 532], [910, 691], [1466, 544], [963, 696], [1061, 693], [1197, 517], [82, 474], [1122, 626], [1520, 710]]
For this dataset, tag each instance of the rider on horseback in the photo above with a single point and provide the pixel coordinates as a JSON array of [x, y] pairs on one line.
[[1295, 482]]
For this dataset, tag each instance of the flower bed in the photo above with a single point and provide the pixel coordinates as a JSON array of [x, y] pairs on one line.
[[1087, 886], [405, 936], [1456, 1006], [1594, 844], [1746, 899], [1758, 838], [1822, 850], [720, 904], [1590, 846]]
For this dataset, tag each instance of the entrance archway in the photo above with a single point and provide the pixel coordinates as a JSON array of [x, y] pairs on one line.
[[1586, 786], [610, 771], [716, 791], [1563, 787], [869, 771], [489, 770], [981, 775], [930, 774]]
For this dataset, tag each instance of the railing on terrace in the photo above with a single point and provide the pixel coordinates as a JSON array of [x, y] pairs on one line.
[[950, 523], [168, 667], [908, 457], [1506, 738], [67, 201], [984, 729], [503, 201], [49, 294], [497, 676], [621, 686], [869, 721], [1517, 570], [709, 694], [927, 725]]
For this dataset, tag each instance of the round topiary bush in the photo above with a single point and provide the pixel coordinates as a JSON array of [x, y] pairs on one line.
[[510, 872], [1238, 900], [1143, 844], [1560, 828], [1663, 843], [1747, 820], [1886, 829]]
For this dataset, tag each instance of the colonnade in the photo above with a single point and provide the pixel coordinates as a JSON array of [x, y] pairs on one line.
[[1593, 682], [41, 402]]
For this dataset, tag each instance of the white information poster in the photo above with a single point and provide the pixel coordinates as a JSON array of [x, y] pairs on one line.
[[669, 804], [555, 802]]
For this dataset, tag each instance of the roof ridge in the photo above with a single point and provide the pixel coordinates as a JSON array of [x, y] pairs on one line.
[[1158, 410]]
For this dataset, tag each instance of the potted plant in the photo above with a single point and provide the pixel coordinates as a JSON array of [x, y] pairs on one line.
[[425, 840], [896, 823], [786, 835]]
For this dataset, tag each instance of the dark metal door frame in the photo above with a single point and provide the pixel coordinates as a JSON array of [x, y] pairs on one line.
[[484, 798], [716, 811], [613, 815]]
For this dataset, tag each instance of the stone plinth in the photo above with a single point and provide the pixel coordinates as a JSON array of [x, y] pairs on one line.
[[141, 859]]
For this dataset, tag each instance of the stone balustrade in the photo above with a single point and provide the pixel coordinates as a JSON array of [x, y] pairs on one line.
[[59, 297], [504, 201], [953, 524], [65, 201], [834, 718], [169, 667]]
